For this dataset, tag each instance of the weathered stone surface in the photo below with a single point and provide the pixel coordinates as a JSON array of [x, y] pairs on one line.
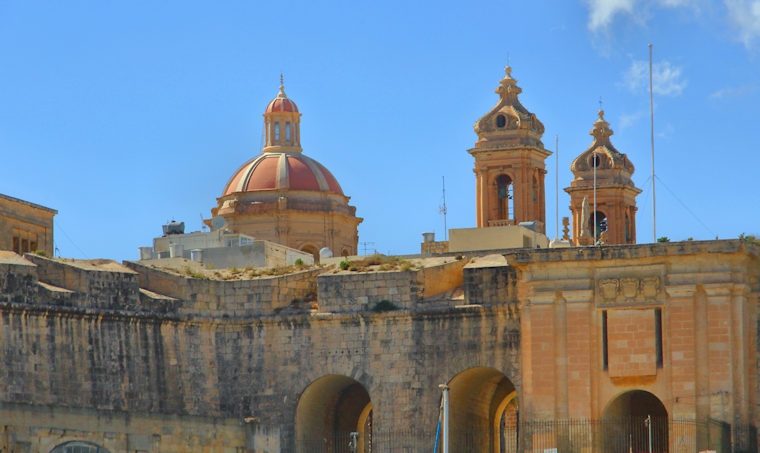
[[169, 363]]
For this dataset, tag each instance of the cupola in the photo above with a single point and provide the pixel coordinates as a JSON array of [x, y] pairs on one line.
[[602, 176]]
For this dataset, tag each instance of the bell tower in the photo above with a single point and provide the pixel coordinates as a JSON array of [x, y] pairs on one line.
[[607, 214], [509, 162]]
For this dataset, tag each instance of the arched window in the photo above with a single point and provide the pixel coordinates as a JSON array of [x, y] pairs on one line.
[[78, 447], [504, 196], [601, 224], [501, 121], [277, 131], [287, 131]]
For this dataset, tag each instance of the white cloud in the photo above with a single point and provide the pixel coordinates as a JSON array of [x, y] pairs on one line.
[[733, 92], [667, 79], [745, 16], [603, 12]]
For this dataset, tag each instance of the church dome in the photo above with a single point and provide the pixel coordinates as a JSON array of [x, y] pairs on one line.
[[281, 104], [282, 171]]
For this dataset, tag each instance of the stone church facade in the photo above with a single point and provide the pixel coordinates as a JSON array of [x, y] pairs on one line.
[[604, 348]]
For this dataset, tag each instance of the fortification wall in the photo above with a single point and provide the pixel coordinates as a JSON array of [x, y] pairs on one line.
[[218, 353]]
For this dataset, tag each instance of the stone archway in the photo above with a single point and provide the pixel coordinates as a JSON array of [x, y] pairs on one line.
[[483, 412], [329, 410], [625, 423]]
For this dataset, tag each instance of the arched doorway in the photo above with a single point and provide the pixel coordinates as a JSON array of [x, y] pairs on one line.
[[78, 447], [483, 412], [329, 410], [626, 423]]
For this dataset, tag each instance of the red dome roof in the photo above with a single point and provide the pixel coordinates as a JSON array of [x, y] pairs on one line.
[[281, 103], [282, 171]]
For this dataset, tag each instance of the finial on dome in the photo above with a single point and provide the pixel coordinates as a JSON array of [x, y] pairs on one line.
[[282, 94], [601, 114]]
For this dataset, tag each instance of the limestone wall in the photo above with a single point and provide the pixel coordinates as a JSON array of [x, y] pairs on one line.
[[350, 292], [231, 298], [131, 379], [95, 283]]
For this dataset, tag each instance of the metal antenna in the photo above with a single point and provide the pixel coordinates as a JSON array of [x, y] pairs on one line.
[[443, 210]]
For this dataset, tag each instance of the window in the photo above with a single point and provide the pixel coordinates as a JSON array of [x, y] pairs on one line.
[[17, 244], [501, 121], [605, 356], [287, 131], [277, 131], [658, 335], [504, 194]]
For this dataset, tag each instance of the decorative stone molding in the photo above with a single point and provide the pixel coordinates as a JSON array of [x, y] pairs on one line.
[[627, 291]]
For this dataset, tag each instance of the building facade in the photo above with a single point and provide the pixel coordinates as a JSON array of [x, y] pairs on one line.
[[25, 227]]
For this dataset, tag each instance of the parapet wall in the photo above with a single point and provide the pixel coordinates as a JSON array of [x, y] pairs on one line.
[[258, 297], [90, 284], [350, 292]]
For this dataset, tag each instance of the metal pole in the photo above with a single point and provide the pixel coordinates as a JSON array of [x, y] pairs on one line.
[[556, 187], [353, 444], [651, 127], [445, 389], [648, 422], [596, 163]]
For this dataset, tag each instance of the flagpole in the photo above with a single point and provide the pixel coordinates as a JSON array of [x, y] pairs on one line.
[[651, 127]]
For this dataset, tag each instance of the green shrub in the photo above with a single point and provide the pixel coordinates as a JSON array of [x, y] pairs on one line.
[[384, 305]]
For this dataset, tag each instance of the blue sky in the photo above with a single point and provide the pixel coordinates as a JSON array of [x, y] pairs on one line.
[[125, 115]]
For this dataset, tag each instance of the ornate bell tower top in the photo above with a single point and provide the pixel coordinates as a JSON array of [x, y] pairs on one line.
[[612, 166], [509, 162], [282, 124], [602, 182], [509, 122]]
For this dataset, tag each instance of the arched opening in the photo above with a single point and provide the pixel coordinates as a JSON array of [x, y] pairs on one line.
[[310, 249], [483, 412], [626, 423], [329, 410], [501, 121], [287, 131], [597, 160], [600, 222], [78, 447], [504, 197], [277, 131]]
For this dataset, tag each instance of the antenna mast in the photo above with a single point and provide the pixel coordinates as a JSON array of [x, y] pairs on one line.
[[651, 126], [444, 211], [556, 187]]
